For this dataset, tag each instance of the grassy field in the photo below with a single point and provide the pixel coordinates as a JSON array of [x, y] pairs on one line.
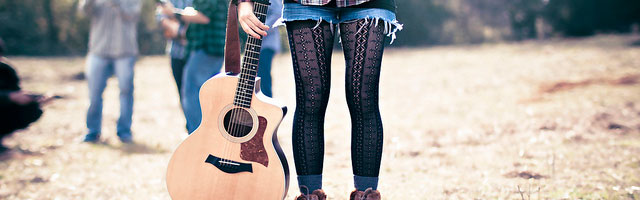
[[556, 119]]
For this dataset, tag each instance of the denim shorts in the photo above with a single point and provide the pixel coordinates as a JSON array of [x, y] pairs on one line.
[[296, 11]]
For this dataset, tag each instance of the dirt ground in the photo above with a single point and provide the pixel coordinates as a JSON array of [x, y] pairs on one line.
[[556, 119]]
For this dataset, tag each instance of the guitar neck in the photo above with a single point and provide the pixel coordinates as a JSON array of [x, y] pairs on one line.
[[246, 84]]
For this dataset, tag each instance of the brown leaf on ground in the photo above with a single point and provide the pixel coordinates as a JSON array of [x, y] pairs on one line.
[[414, 153], [626, 80], [620, 121], [563, 85], [568, 85]]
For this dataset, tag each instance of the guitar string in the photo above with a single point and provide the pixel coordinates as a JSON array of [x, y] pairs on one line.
[[229, 128], [232, 125], [245, 77], [246, 94], [236, 129]]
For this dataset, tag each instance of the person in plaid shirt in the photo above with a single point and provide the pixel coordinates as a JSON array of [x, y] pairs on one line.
[[176, 40], [205, 46], [364, 26]]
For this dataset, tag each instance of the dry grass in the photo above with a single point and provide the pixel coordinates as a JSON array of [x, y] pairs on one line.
[[461, 122]]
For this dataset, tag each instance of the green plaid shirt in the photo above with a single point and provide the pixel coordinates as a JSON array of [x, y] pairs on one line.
[[209, 37]]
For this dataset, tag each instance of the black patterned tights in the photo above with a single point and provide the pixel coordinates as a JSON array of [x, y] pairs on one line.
[[311, 47]]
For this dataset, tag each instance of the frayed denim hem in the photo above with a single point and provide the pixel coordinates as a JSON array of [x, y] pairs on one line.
[[391, 27], [297, 12]]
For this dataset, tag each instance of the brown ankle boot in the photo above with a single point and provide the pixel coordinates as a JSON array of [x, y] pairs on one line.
[[315, 195], [368, 194], [356, 195], [321, 195]]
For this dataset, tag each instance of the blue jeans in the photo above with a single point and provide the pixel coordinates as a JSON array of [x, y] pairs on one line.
[[296, 11], [200, 67], [99, 69], [264, 71], [177, 68]]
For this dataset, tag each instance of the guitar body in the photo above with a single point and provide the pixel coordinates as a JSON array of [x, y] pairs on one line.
[[226, 160]]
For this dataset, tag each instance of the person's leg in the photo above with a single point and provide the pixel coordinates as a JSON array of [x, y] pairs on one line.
[[124, 71], [97, 73], [177, 67], [311, 46], [363, 45], [264, 71], [199, 69]]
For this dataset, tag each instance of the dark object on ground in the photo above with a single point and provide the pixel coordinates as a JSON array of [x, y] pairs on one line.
[[40, 96], [525, 175], [78, 76], [636, 43], [613, 126]]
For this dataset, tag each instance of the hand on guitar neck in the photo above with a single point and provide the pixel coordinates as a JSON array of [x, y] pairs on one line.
[[249, 22]]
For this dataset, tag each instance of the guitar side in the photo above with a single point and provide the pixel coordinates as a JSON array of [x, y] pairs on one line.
[[192, 173]]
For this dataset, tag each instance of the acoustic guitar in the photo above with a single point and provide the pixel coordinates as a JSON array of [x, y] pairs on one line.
[[234, 153]]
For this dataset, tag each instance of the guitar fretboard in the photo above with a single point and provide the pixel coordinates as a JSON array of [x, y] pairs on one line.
[[246, 84]]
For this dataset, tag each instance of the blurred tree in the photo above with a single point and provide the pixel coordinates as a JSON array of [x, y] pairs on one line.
[[423, 22], [428, 22], [586, 17], [18, 25], [54, 27], [523, 15]]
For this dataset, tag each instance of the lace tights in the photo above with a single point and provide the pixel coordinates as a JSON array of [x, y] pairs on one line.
[[311, 47]]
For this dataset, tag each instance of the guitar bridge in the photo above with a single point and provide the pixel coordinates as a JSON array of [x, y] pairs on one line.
[[229, 166]]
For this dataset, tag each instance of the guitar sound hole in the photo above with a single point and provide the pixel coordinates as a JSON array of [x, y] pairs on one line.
[[238, 122]]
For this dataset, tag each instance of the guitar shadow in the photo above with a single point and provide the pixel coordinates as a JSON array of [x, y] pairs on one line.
[[22, 153], [139, 148], [133, 148]]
